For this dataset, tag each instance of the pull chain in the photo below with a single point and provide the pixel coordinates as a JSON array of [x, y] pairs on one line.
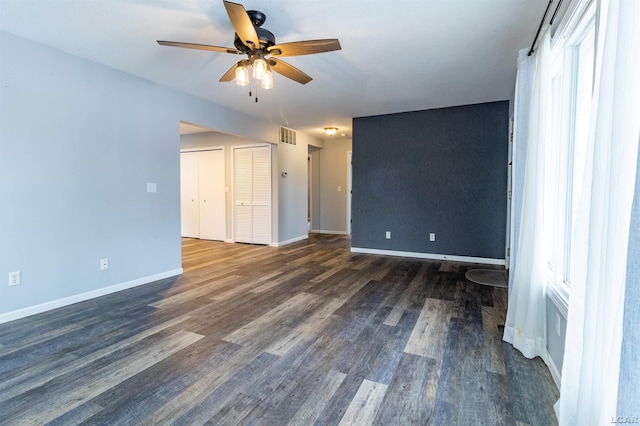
[[251, 92]]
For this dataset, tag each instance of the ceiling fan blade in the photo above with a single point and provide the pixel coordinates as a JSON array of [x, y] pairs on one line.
[[242, 24], [198, 46], [288, 71], [231, 73], [308, 47]]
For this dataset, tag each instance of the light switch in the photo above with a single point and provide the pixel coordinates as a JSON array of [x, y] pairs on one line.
[[151, 187], [339, 189]]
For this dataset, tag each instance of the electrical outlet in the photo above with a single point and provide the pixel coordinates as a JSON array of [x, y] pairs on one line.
[[14, 278], [387, 235], [104, 264], [432, 236]]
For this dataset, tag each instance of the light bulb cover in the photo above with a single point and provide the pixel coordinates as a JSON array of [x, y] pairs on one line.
[[331, 130], [267, 80], [259, 68], [242, 75]]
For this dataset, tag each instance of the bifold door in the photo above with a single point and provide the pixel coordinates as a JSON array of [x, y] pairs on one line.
[[252, 195], [202, 195]]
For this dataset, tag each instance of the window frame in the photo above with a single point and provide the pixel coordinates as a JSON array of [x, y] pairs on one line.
[[565, 44]]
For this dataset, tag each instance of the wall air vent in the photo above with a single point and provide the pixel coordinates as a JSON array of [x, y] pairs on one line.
[[287, 136]]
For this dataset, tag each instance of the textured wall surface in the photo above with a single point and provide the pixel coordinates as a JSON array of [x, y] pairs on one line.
[[442, 171]]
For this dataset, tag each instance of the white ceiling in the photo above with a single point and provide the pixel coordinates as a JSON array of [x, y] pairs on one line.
[[396, 56]]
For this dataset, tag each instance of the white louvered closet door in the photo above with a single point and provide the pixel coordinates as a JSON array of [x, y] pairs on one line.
[[242, 194], [261, 195], [252, 195]]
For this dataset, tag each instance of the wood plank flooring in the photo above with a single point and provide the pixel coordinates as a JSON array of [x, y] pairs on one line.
[[304, 334]]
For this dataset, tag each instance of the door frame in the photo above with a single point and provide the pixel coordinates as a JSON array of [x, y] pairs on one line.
[[349, 188]]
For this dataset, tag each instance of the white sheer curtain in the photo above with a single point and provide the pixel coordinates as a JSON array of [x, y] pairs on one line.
[[525, 325], [522, 102], [594, 330]]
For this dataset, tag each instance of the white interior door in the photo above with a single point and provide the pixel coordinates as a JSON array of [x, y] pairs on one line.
[[189, 199], [213, 223]]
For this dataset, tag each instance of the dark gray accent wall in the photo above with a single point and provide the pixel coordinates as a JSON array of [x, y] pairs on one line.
[[442, 171]]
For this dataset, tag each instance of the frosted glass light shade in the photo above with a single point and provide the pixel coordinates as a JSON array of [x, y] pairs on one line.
[[267, 80], [242, 76], [259, 68]]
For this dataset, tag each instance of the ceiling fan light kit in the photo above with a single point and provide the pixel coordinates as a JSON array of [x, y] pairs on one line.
[[258, 43], [267, 80], [242, 75], [259, 68]]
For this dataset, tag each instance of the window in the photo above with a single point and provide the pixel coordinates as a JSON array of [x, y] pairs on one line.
[[565, 158], [552, 171], [584, 64]]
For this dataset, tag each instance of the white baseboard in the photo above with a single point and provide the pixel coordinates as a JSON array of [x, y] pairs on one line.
[[553, 369], [432, 256], [59, 303], [292, 240], [325, 231]]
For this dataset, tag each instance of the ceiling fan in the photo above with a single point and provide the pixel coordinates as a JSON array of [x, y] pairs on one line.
[[261, 49]]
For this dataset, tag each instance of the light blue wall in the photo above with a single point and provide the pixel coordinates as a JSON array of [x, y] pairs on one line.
[[629, 380], [78, 144], [555, 341]]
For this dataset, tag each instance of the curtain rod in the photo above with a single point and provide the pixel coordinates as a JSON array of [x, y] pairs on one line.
[[553, 18], [533, 45]]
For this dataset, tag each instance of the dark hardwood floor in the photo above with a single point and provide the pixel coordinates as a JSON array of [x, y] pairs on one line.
[[308, 333]]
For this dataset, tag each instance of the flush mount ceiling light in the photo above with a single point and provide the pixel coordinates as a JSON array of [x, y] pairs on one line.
[[259, 44], [331, 130]]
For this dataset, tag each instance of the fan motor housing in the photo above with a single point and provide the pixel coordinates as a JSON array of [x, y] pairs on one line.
[[266, 38], [257, 18]]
